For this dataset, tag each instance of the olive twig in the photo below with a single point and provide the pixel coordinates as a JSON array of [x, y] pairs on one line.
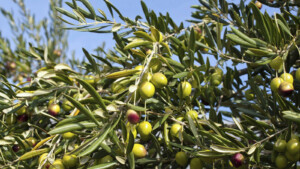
[[267, 138]]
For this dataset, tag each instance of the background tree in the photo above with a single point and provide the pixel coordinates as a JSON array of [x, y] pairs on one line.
[[155, 100]]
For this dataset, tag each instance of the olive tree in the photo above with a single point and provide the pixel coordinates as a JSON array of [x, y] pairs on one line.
[[220, 93]]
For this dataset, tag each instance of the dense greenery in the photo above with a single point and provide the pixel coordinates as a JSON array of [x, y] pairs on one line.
[[220, 93]]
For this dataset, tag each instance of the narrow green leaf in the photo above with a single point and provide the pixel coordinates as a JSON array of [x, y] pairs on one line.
[[79, 15], [210, 154], [72, 119], [238, 124], [63, 67], [72, 127], [91, 61], [103, 166], [181, 75], [88, 5], [192, 40], [137, 43], [146, 11], [85, 13], [203, 45], [130, 142], [82, 109], [97, 143], [290, 115], [205, 4], [65, 12], [144, 35], [166, 136], [210, 40], [116, 27], [136, 108], [227, 150], [175, 63], [160, 121], [236, 17], [93, 93], [156, 34], [111, 6], [252, 149], [239, 41], [284, 27], [33, 53], [131, 160], [103, 60], [193, 129], [33, 153], [260, 52], [243, 36], [102, 13], [166, 46], [260, 22], [163, 59], [85, 145], [188, 148]]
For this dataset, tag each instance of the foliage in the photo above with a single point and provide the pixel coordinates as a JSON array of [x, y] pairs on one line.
[[94, 95]]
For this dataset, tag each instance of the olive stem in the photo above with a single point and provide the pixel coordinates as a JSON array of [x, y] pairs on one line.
[[144, 69], [37, 127], [172, 118], [261, 141]]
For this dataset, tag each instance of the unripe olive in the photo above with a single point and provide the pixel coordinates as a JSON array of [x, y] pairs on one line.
[[176, 129], [155, 65], [139, 151], [159, 80], [184, 89], [181, 158], [280, 145], [287, 78], [275, 83], [281, 161], [146, 90], [70, 161], [276, 63], [145, 128]]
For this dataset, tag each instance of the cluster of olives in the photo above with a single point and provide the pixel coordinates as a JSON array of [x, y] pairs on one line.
[[68, 161], [55, 108], [287, 152], [144, 128], [28, 143], [181, 159], [151, 81], [20, 116], [283, 85]]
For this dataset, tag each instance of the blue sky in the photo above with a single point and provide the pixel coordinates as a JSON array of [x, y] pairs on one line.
[[179, 10]]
